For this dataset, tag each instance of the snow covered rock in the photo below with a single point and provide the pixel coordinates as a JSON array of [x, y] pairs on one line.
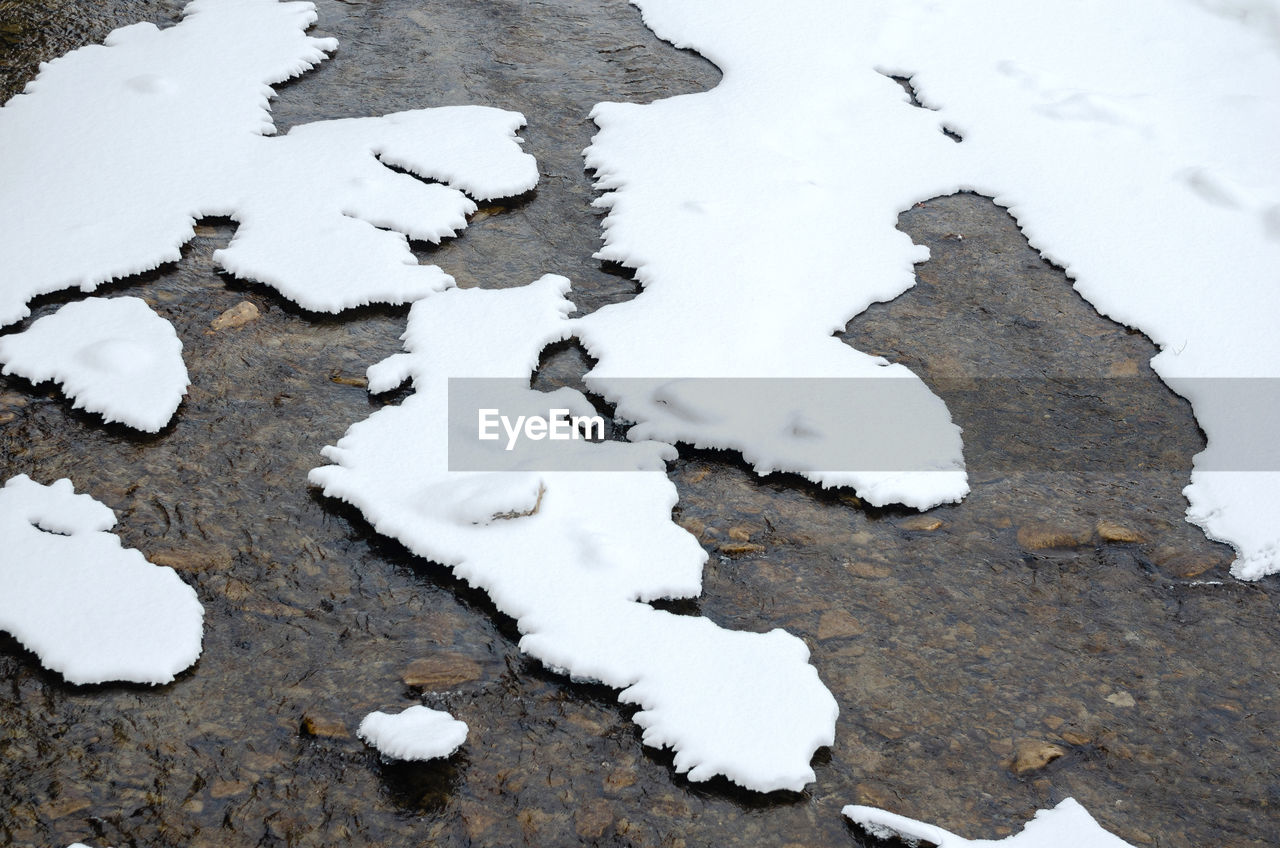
[[1067, 825], [759, 216], [114, 150], [91, 609], [418, 733], [572, 545], [113, 356]]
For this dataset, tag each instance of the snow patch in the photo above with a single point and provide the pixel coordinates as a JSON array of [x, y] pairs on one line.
[[417, 733], [114, 151], [113, 356], [759, 216], [573, 554], [91, 609], [1067, 825]]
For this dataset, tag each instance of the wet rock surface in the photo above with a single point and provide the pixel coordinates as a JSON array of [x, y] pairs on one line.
[[949, 640]]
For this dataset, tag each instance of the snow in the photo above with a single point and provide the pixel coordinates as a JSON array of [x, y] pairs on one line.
[[92, 610], [572, 555], [1067, 825], [113, 356], [1137, 153], [114, 151], [417, 733]]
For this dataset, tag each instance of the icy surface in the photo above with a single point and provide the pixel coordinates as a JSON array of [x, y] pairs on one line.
[[418, 733], [113, 356], [92, 610], [573, 555], [1135, 145], [114, 151], [1067, 825]]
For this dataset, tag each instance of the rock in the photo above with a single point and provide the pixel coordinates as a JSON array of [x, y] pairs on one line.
[[237, 316], [359, 382], [1184, 565], [838, 624], [318, 724], [593, 818], [1110, 531], [619, 778], [737, 549], [227, 788], [920, 523], [1121, 699], [1033, 754], [739, 534], [867, 570], [1075, 737], [1039, 536], [441, 671]]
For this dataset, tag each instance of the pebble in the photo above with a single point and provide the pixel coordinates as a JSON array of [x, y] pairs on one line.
[[838, 624], [441, 671], [1110, 531], [1038, 536], [1034, 754], [1121, 699], [867, 570], [920, 523], [318, 724], [1179, 564], [737, 549], [237, 316]]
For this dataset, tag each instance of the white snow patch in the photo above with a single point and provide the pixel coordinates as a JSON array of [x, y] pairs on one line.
[[1134, 145], [572, 555], [114, 151], [113, 356], [1067, 825], [417, 733], [92, 610]]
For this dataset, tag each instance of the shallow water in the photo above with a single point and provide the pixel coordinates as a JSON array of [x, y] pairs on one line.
[[949, 647]]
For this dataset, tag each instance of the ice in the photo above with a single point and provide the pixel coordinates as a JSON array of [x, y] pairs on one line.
[[113, 356], [417, 733], [572, 555], [1067, 825], [1139, 154], [114, 151], [92, 610]]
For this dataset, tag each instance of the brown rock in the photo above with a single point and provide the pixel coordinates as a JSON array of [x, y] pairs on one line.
[[237, 316], [868, 570], [1039, 536], [1033, 754], [1121, 699], [838, 624], [227, 788], [1186, 565], [920, 523], [1110, 531], [319, 724], [593, 818], [737, 549], [740, 534], [619, 778], [441, 671], [1075, 737]]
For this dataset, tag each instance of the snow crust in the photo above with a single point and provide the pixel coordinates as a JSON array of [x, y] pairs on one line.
[[92, 610], [113, 356], [417, 733], [114, 151], [572, 555], [1067, 825], [1135, 146]]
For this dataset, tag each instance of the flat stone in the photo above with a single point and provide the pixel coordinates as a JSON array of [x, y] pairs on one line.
[[737, 549], [1033, 754], [1110, 531], [593, 818], [319, 724], [920, 523], [838, 624], [867, 570], [1121, 699], [237, 316], [441, 671], [1039, 536]]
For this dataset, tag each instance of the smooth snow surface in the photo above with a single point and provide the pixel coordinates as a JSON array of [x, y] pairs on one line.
[[113, 152], [113, 356], [92, 610], [418, 733], [1135, 145], [1067, 825], [572, 555]]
